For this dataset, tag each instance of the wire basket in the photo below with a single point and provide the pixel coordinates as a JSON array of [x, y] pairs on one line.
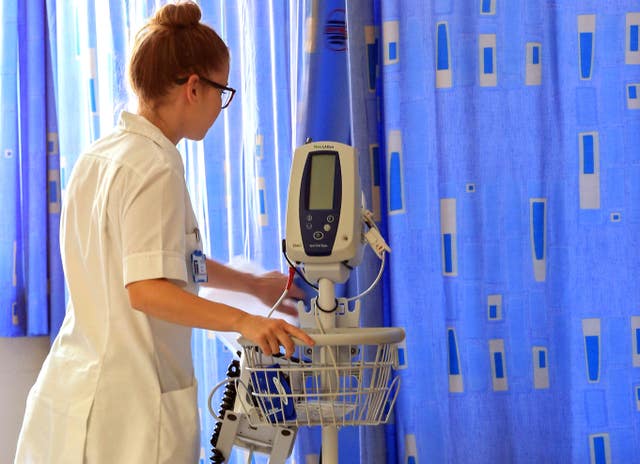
[[344, 379]]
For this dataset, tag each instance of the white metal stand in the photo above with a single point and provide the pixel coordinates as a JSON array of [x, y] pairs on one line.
[[327, 302], [344, 379], [330, 445]]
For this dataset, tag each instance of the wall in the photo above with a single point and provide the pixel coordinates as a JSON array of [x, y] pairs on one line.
[[20, 361]]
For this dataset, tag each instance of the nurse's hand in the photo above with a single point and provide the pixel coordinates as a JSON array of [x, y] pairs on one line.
[[271, 334], [268, 288]]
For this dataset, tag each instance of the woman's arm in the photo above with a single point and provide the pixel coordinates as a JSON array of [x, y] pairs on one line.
[[164, 300], [221, 276], [266, 287]]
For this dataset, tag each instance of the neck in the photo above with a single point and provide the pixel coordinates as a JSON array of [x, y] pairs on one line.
[[161, 120]]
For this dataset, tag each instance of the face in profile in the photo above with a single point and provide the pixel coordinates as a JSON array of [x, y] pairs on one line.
[[209, 106]]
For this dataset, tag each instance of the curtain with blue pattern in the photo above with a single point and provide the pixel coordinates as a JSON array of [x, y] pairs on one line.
[[507, 136], [31, 282]]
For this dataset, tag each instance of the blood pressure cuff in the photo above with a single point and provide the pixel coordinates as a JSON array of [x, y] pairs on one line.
[[275, 398]]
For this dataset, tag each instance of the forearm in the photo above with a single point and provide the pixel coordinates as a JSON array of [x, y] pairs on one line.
[[221, 276], [163, 300], [267, 287]]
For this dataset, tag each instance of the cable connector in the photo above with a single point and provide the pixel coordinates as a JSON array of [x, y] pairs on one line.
[[367, 217], [376, 241], [373, 236]]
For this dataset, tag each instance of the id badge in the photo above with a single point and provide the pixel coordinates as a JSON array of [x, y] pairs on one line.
[[199, 267]]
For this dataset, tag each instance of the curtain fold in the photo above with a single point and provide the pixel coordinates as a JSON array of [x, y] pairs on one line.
[[29, 190], [376, 444]]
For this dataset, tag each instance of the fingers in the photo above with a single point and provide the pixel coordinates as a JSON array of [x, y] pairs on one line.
[[280, 337], [265, 347], [271, 334], [289, 347], [300, 334], [274, 344]]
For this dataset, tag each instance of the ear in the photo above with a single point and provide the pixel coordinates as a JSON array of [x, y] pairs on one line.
[[192, 88]]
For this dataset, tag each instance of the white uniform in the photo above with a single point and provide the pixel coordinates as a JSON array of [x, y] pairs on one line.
[[118, 385]]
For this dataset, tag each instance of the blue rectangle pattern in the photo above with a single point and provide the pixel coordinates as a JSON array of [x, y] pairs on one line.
[[586, 50], [375, 162], [497, 360], [53, 192], [448, 259], [392, 50], [443, 48], [599, 451], [395, 181], [263, 209], [92, 93], [372, 56], [454, 367], [588, 155], [634, 32], [538, 229], [488, 60], [592, 344]]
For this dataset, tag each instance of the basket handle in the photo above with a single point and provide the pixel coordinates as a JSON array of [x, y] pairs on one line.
[[347, 336]]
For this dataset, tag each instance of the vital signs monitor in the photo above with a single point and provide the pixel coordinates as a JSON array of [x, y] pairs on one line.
[[324, 211]]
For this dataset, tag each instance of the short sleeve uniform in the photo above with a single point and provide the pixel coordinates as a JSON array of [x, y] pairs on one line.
[[118, 385]]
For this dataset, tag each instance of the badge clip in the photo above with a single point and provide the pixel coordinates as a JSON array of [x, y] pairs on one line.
[[199, 267]]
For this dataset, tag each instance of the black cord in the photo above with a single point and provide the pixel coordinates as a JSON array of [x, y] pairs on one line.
[[328, 311], [228, 399], [284, 253]]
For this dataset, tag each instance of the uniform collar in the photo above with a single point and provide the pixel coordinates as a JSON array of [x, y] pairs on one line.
[[140, 125]]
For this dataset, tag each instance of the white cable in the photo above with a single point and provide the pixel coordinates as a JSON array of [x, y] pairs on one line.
[[280, 300], [317, 317], [333, 358], [375, 282], [215, 389]]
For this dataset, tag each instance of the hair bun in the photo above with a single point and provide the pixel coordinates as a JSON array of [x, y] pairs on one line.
[[183, 14]]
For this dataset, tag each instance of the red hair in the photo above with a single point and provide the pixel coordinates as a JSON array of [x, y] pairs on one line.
[[174, 43]]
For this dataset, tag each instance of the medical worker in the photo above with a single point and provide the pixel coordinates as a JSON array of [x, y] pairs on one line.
[[118, 385]]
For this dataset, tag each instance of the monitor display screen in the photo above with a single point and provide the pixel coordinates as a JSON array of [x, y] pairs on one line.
[[321, 185]]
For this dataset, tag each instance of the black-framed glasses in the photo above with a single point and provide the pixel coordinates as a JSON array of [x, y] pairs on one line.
[[226, 93]]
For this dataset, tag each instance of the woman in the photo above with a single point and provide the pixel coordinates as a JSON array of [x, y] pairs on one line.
[[118, 384]]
